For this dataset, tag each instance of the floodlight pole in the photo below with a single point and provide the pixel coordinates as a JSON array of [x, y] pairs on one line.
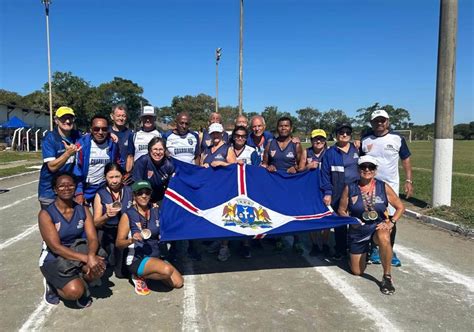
[[218, 57], [46, 8], [444, 112], [241, 57]]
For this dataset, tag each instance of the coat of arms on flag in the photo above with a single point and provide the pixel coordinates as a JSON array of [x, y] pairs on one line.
[[242, 213]]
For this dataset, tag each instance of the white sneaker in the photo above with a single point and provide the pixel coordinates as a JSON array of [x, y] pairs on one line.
[[224, 254]]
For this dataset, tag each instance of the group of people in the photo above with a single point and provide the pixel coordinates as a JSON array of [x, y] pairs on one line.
[[93, 171]]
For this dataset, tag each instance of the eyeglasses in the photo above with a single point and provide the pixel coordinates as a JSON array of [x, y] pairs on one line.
[[365, 166], [66, 186], [319, 139], [146, 192], [347, 132], [99, 129]]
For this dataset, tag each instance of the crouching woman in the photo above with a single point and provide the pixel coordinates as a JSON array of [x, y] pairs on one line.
[[139, 231], [67, 260]]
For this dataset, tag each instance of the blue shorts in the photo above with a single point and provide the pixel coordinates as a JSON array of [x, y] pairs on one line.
[[359, 237]]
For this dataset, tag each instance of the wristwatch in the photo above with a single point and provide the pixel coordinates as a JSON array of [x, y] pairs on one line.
[[409, 181]]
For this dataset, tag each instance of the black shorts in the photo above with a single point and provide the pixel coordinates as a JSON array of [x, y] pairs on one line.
[[136, 267], [359, 237], [52, 275]]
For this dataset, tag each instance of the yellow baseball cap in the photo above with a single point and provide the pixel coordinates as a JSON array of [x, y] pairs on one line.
[[63, 110], [318, 132]]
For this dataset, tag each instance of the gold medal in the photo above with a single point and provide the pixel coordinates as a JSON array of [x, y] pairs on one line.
[[117, 205], [365, 216], [146, 234], [373, 215]]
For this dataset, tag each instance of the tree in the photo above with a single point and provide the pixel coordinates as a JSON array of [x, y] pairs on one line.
[[119, 91], [398, 116], [308, 119], [229, 114], [72, 91], [10, 98], [271, 116], [199, 107], [464, 130], [37, 100], [331, 118]]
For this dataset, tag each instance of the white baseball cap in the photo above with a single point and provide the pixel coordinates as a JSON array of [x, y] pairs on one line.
[[377, 113], [148, 111], [367, 159], [216, 128]]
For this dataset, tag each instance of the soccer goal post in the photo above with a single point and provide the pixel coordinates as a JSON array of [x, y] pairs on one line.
[[406, 133]]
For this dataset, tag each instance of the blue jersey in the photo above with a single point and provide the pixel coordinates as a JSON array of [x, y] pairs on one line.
[[137, 222], [126, 198], [311, 156], [52, 149], [158, 175], [351, 169], [123, 140], [356, 205], [207, 140], [282, 159], [219, 155], [267, 137], [68, 230]]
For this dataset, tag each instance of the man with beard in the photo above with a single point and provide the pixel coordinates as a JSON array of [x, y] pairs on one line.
[[388, 148], [97, 150]]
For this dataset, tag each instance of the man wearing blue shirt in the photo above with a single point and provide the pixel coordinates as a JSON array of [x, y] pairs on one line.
[[119, 118], [59, 150]]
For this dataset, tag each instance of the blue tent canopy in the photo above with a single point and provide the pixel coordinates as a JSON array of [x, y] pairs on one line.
[[14, 123]]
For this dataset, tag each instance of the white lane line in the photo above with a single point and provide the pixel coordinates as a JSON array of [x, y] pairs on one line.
[[190, 319], [23, 184], [367, 310], [36, 319], [20, 236], [434, 267], [17, 175], [17, 202]]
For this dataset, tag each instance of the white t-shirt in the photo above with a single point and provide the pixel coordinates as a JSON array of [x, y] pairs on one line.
[[246, 154], [141, 140], [99, 157], [184, 148]]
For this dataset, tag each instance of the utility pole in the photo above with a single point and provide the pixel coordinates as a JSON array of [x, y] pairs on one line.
[[241, 51], [218, 57], [444, 112], [46, 8]]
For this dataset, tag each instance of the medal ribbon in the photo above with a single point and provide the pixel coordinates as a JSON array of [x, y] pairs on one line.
[[368, 198]]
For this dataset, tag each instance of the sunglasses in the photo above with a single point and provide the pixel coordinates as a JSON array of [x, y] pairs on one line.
[[240, 136], [146, 192], [99, 129], [319, 139], [379, 120], [365, 166], [342, 132]]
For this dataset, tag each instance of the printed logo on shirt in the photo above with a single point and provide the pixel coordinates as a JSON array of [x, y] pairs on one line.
[[58, 226], [190, 141], [272, 153], [143, 147], [149, 174], [219, 157], [356, 155], [390, 147], [183, 150], [208, 142], [309, 160], [379, 200], [368, 147], [290, 154], [80, 224], [99, 161]]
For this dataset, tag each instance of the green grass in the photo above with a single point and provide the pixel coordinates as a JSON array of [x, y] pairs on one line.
[[15, 170], [9, 156]]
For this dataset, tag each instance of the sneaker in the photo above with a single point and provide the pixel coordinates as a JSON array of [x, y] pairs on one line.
[[141, 287], [298, 248], [279, 245], [214, 247], [375, 256], [194, 254], [395, 261], [84, 302], [224, 254], [315, 250], [50, 294], [386, 285], [246, 252], [326, 250]]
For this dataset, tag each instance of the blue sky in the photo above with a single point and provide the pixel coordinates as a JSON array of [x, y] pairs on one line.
[[343, 54]]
